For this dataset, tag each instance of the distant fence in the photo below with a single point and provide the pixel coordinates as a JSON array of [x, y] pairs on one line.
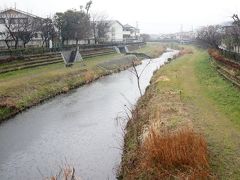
[[231, 55], [41, 50]]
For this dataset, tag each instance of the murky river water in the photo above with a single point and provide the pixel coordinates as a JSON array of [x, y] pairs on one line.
[[78, 128]]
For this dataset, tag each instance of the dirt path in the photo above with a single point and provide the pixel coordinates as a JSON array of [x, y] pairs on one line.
[[222, 135]]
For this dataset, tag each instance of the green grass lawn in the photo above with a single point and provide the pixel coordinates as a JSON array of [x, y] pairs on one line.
[[214, 107], [219, 90]]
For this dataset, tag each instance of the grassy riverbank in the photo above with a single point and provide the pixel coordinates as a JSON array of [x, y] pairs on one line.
[[153, 50], [24, 88], [186, 103]]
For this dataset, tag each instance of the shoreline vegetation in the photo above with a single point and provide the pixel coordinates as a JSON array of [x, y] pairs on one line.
[[22, 89], [186, 125]]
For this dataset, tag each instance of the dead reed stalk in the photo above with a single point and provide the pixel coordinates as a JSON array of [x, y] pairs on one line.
[[175, 154]]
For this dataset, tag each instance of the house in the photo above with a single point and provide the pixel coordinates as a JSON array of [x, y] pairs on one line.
[[122, 33], [130, 33], [228, 43], [185, 37], [115, 33], [17, 19]]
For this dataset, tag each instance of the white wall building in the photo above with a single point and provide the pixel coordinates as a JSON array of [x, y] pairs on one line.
[[130, 33], [16, 17], [115, 33]]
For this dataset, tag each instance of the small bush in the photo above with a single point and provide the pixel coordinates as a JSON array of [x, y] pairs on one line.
[[66, 173], [177, 154], [218, 57]]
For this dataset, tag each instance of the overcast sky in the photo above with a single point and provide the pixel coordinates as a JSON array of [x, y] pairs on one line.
[[153, 16]]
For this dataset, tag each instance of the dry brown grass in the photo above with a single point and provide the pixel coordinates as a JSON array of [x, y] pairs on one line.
[[181, 154], [89, 76], [220, 58], [185, 51], [67, 173], [7, 102], [160, 142]]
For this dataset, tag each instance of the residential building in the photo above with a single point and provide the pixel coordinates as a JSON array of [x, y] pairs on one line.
[[227, 42], [15, 18], [186, 36], [131, 33], [115, 33]]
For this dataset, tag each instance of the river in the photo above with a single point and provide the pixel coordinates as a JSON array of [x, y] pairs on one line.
[[79, 128]]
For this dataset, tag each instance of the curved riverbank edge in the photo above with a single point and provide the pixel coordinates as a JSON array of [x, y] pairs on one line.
[[101, 70], [190, 93], [158, 134]]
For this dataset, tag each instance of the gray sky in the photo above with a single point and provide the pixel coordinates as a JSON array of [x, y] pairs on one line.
[[153, 16]]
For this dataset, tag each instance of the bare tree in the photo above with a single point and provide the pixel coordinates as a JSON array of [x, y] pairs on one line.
[[48, 31], [100, 26], [231, 36], [103, 27], [235, 32], [236, 19], [88, 6], [210, 36], [28, 28], [138, 74], [7, 38], [145, 37], [235, 37], [12, 28], [18, 28]]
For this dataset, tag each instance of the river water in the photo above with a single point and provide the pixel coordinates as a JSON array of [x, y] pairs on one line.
[[78, 128]]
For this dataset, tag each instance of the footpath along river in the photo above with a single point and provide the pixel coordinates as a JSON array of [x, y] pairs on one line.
[[78, 128]]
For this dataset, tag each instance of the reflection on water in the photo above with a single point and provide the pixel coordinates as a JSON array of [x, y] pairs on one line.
[[78, 127]]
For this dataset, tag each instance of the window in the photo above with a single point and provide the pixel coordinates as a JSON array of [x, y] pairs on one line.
[[13, 21], [23, 20], [18, 20], [2, 20]]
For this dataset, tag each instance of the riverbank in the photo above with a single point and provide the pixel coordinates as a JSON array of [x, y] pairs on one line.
[[25, 88], [153, 50], [188, 102], [78, 128]]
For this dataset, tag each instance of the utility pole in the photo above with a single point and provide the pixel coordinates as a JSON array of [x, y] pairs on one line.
[[136, 29], [181, 32]]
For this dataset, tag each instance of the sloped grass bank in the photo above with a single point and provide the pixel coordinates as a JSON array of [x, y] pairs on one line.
[[153, 50], [188, 105], [23, 89], [224, 94]]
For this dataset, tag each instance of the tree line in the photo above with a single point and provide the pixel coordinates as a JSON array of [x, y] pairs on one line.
[[64, 26], [216, 35]]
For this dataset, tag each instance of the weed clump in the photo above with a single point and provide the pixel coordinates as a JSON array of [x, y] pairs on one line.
[[181, 154]]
